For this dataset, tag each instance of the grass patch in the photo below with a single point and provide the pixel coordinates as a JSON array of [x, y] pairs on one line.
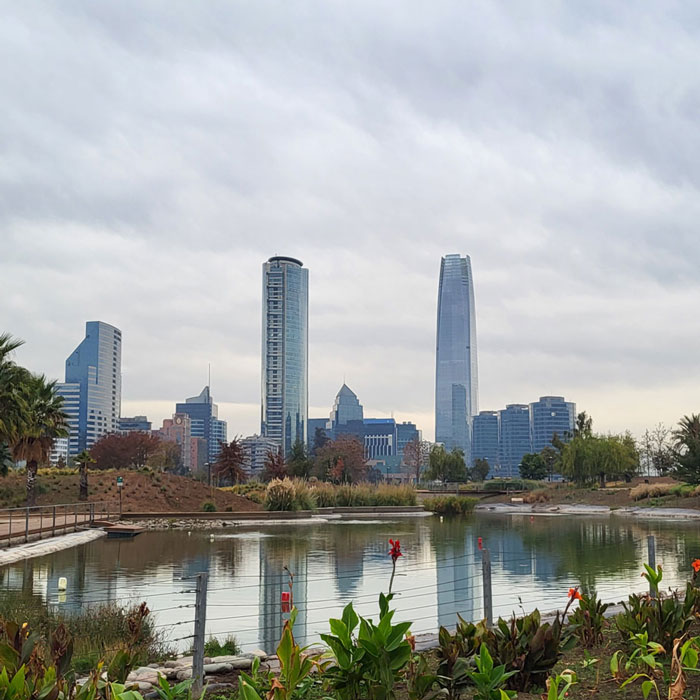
[[213, 647], [450, 505]]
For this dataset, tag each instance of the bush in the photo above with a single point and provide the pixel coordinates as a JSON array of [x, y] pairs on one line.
[[324, 494], [280, 495], [213, 647], [450, 505], [650, 491], [209, 507], [539, 496]]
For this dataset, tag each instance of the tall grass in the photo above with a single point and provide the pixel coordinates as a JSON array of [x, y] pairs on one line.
[[98, 630], [297, 494], [657, 490], [450, 505]]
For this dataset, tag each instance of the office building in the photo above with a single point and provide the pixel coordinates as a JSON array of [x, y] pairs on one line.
[[514, 438], [256, 448], [549, 416], [199, 456], [92, 390], [178, 429], [379, 437], [456, 375], [285, 358], [485, 440], [405, 432], [137, 423], [204, 422], [347, 407], [314, 424]]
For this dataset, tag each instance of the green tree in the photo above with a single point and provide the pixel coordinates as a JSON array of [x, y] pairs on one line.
[[446, 466], [551, 457], [593, 458], [298, 463], [687, 448], [584, 425], [83, 459], [6, 461], [480, 470], [44, 421], [320, 439], [12, 401], [533, 466]]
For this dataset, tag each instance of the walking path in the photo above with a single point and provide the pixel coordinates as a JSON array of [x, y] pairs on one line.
[[42, 547], [38, 525]]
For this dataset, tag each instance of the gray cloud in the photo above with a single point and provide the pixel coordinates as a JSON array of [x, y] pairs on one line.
[[152, 155]]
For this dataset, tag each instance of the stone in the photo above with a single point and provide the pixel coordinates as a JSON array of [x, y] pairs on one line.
[[242, 662], [259, 653], [141, 686], [184, 674], [153, 665], [217, 668]]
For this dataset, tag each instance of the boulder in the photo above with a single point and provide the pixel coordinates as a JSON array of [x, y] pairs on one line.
[[217, 668], [184, 674]]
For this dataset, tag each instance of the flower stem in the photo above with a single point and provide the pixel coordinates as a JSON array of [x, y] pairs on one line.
[[393, 571]]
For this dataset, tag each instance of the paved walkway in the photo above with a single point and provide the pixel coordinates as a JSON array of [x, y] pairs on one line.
[[38, 526]]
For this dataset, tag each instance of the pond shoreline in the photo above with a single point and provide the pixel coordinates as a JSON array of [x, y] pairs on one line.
[[40, 548], [583, 509]]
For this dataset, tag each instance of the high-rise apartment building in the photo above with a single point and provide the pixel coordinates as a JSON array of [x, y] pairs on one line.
[[514, 438], [256, 448], [92, 392], [485, 440], [285, 357], [405, 432], [549, 416], [379, 437], [204, 421], [178, 429], [456, 375], [135, 424]]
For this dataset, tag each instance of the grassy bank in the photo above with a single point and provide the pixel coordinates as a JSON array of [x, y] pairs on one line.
[[450, 505], [97, 630]]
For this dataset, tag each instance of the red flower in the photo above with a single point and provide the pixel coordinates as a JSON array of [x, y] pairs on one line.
[[395, 551], [574, 594], [696, 565], [479, 543]]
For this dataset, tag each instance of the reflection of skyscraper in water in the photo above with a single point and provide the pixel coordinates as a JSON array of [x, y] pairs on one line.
[[349, 561], [275, 554], [510, 554], [458, 581]]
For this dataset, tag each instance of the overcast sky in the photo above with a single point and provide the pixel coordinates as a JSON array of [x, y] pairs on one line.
[[154, 154]]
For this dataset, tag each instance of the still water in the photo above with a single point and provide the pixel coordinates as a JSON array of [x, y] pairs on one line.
[[535, 560]]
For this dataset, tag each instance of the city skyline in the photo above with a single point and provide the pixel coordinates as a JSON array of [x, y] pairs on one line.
[[556, 146]]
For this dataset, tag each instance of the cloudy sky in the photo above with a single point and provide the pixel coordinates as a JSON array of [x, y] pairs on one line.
[[154, 154]]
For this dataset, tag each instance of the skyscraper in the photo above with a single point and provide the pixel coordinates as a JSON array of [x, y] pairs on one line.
[[485, 438], [456, 375], [204, 421], [285, 356], [92, 392], [550, 415], [514, 437]]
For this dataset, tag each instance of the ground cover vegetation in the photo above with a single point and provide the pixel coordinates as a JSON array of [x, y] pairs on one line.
[[651, 648]]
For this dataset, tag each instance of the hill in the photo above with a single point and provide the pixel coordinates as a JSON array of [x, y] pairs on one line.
[[142, 491]]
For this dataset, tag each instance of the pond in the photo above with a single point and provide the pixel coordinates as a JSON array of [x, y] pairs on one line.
[[535, 560]]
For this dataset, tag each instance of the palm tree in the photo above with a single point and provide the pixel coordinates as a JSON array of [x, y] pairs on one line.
[[11, 381], [6, 460], [44, 422], [687, 448], [229, 463], [83, 459]]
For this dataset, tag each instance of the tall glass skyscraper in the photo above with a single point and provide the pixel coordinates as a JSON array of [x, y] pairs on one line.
[[515, 439], [204, 421], [456, 376], [92, 391], [485, 439], [285, 355]]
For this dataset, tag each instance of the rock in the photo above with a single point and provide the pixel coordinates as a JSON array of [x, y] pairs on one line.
[[150, 678], [171, 673], [217, 668], [184, 674], [153, 665], [141, 686], [242, 662], [259, 653], [224, 659]]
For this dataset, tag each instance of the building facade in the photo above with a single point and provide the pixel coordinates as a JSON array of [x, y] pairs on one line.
[[514, 438], [178, 429], [379, 437], [256, 448], [485, 439], [549, 416], [137, 423], [405, 432], [92, 392], [456, 374], [204, 421], [285, 358]]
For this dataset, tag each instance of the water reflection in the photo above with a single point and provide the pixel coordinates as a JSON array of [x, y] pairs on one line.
[[535, 560]]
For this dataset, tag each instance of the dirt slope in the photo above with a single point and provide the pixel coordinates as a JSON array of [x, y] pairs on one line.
[[153, 492]]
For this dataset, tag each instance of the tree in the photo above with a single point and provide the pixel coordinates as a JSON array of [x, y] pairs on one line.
[[584, 425], [687, 448], [83, 459], [230, 462], [44, 420], [341, 460], [533, 466], [12, 381], [298, 462], [551, 457], [657, 450], [61, 462], [275, 467], [480, 470], [446, 466], [320, 439], [415, 457], [597, 457], [132, 450], [6, 461]]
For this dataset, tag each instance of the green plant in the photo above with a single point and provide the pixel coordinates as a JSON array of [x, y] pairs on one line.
[[209, 507], [180, 691], [454, 652], [588, 620], [643, 656], [565, 679], [488, 679], [450, 505], [421, 682], [213, 647], [280, 495], [372, 662]]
